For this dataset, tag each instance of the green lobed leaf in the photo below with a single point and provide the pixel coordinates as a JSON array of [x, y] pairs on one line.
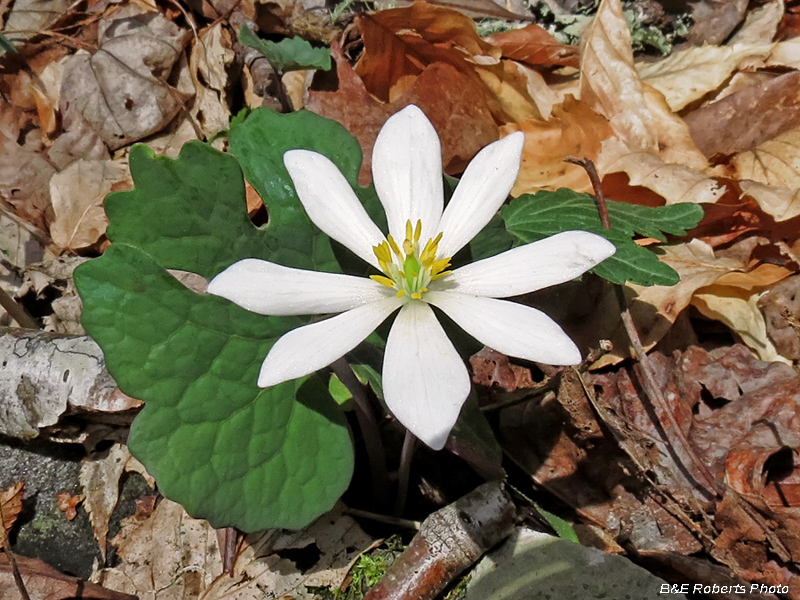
[[228, 451], [290, 54], [6, 45], [259, 140], [188, 213], [535, 216]]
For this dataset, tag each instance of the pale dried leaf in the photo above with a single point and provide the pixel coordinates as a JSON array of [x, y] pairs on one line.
[[674, 182], [24, 179], [259, 571], [77, 194], [689, 74], [29, 16], [781, 203], [775, 163], [741, 313], [99, 476], [761, 24], [168, 556], [10, 507], [209, 62], [785, 54], [609, 82], [121, 89]]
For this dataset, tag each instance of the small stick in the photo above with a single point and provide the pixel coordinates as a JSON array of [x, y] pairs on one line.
[[599, 197], [395, 521], [17, 312], [13, 561]]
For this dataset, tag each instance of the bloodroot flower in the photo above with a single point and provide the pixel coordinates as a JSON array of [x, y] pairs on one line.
[[425, 381]]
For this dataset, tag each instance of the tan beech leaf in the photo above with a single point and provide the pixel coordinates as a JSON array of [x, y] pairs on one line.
[[739, 310], [99, 476], [77, 194], [166, 556], [761, 24], [121, 90], [209, 61], [785, 54], [674, 182], [609, 82], [775, 163], [689, 74], [572, 130], [10, 507], [781, 203]]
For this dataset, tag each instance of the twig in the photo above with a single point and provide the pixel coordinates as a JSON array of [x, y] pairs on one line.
[[12, 560], [404, 472], [395, 521], [599, 197], [369, 429], [17, 312], [449, 541]]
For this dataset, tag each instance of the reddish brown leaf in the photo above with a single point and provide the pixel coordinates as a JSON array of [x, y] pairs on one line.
[[43, 582], [67, 503], [534, 46], [10, 507], [492, 368]]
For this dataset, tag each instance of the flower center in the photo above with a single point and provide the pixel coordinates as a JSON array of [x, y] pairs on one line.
[[408, 270]]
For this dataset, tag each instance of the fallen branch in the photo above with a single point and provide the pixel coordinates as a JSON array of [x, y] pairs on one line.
[[449, 541]]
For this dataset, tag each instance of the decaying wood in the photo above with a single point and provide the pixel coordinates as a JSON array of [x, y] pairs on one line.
[[45, 375], [449, 541]]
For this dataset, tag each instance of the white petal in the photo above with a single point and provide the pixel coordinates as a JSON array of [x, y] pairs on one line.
[[269, 289], [483, 188], [531, 267], [425, 382], [508, 327], [312, 347], [331, 203], [407, 172]]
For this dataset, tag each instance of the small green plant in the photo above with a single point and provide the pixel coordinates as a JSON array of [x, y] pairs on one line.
[[369, 569]]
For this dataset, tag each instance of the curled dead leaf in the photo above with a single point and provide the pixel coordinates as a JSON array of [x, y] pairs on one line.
[[10, 507]]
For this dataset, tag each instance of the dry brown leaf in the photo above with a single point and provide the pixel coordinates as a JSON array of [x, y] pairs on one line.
[[688, 75], [209, 61], [68, 504], [534, 46], [448, 97], [77, 194], [781, 203], [10, 507], [99, 476], [511, 85], [747, 118], [714, 20], [121, 90], [399, 43], [259, 567], [24, 179], [43, 582], [574, 129], [775, 163], [674, 182], [781, 306], [761, 24], [29, 16], [168, 556]]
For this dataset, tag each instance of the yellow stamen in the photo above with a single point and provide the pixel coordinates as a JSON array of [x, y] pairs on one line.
[[400, 293], [382, 280], [416, 296], [394, 246]]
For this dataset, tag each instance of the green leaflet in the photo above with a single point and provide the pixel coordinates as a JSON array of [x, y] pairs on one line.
[[290, 54], [230, 452], [535, 216]]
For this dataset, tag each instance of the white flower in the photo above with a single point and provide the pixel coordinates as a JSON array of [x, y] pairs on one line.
[[425, 381]]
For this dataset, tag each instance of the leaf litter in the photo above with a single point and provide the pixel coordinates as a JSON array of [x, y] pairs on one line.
[[713, 124]]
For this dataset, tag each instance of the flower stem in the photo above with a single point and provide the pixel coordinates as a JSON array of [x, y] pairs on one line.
[[369, 429], [404, 472]]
